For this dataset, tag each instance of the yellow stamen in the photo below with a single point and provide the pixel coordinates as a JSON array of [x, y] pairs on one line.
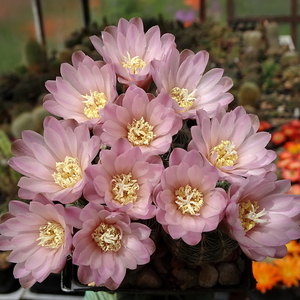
[[183, 98], [68, 172], [189, 200], [249, 216], [133, 64], [223, 154], [124, 188], [140, 132], [93, 103], [107, 237], [51, 235]]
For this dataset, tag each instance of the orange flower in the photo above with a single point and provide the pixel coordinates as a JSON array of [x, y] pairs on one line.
[[293, 247], [295, 123], [288, 270], [285, 154], [294, 164], [288, 130], [295, 189], [292, 147], [278, 137], [296, 126], [264, 125], [292, 175], [193, 3], [266, 275], [284, 163]]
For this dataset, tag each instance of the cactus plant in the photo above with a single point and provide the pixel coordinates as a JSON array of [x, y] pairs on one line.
[[249, 94]]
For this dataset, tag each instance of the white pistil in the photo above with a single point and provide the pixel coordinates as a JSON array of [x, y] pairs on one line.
[[140, 132], [124, 188], [249, 216], [107, 237], [189, 200]]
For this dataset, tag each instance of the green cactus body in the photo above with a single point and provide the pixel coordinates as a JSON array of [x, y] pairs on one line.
[[22, 122], [35, 56], [38, 116], [8, 177], [214, 247], [5, 145], [249, 94]]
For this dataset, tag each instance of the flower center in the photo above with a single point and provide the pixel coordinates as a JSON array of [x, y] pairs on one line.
[[124, 188], [107, 237], [183, 98], [134, 64], [140, 132], [223, 154], [68, 172], [93, 103], [189, 200], [51, 235], [249, 216]]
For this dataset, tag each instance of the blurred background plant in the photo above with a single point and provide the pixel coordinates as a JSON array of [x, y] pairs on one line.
[[8, 177], [280, 278], [286, 141]]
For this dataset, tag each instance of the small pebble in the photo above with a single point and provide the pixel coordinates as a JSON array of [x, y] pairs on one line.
[[147, 279], [208, 276], [187, 278], [229, 274], [161, 266]]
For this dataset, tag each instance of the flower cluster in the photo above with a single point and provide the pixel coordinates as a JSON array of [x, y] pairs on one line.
[[143, 134], [272, 273], [288, 162]]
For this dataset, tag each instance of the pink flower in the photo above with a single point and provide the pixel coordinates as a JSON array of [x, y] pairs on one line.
[[108, 244], [182, 76], [145, 122], [40, 237], [230, 142], [188, 202], [82, 91], [261, 217], [130, 51], [54, 164], [124, 180]]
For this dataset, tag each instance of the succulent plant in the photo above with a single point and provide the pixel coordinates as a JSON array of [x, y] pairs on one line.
[[35, 56], [214, 247], [20, 123], [249, 94], [8, 177]]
